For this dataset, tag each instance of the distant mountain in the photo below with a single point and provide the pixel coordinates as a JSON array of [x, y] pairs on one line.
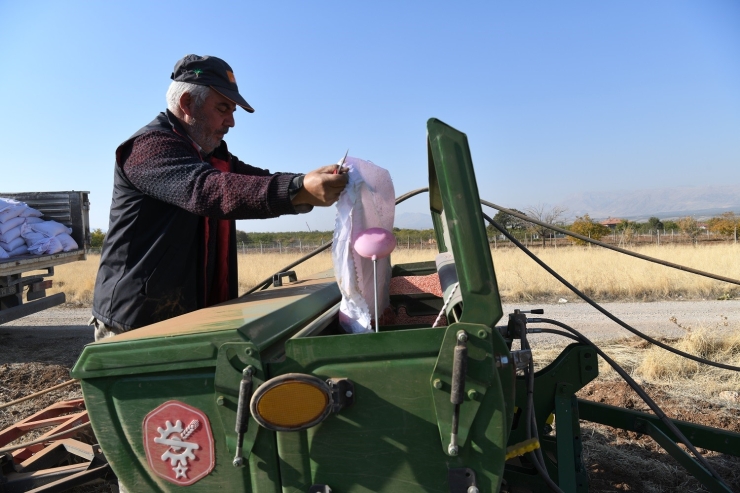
[[665, 203], [413, 220]]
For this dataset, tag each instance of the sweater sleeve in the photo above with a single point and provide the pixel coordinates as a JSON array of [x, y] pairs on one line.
[[166, 167]]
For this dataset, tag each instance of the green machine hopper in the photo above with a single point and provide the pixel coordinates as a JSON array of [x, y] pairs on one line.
[[266, 393]]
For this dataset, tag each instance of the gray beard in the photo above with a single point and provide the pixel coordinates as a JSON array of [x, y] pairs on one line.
[[199, 135]]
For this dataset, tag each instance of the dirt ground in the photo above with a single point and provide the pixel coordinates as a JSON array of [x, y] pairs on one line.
[[616, 460]]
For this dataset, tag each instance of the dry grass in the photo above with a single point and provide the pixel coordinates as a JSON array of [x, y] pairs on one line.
[[608, 275], [76, 280], [667, 372], [600, 273], [688, 378]]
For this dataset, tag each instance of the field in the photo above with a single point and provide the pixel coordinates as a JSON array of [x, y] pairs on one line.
[[603, 274]]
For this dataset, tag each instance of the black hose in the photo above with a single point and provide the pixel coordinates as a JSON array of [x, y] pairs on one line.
[[610, 247], [601, 309], [639, 390], [530, 420], [553, 331]]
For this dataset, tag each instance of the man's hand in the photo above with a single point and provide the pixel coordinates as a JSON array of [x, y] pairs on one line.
[[322, 186]]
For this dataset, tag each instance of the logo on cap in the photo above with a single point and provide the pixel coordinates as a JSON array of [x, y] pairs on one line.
[[231, 77]]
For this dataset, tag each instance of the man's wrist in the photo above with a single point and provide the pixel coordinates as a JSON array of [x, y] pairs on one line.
[[295, 186], [297, 195]]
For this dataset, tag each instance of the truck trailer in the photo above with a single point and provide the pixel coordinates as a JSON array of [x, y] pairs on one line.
[[25, 279]]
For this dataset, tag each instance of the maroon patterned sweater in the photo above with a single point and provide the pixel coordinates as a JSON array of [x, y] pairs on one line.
[[168, 168]]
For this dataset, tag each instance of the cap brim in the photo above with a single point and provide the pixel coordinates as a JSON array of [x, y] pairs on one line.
[[234, 96]]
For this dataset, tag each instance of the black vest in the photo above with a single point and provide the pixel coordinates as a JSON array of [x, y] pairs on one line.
[[152, 265]]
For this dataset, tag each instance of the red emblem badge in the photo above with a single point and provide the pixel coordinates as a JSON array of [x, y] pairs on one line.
[[179, 443]]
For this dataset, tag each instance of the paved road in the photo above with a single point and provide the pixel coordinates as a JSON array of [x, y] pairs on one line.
[[653, 318], [58, 335]]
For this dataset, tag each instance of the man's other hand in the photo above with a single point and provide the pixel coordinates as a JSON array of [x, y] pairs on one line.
[[322, 186]]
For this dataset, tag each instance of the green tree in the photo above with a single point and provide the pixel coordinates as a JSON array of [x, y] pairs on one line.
[[655, 224], [585, 226], [96, 238], [512, 223], [669, 225], [242, 236]]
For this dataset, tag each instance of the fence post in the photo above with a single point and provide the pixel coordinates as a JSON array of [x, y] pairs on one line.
[[261, 251]]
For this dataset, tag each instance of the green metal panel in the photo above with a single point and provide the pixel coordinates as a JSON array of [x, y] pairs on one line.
[[572, 475], [453, 190], [481, 378], [389, 439], [119, 405], [232, 359]]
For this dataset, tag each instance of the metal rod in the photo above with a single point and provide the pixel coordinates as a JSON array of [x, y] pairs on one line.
[[42, 392], [375, 283]]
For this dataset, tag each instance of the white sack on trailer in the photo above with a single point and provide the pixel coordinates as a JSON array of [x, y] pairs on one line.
[[68, 243], [11, 223], [10, 235], [12, 244], [11, 212], [50, 228], [46, 246], [31, 212], [6, 203], [20, 250]]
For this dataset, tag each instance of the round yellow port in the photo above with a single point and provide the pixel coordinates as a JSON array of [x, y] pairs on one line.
[[291, 402]]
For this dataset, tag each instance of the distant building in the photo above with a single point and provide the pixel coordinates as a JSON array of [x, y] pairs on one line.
[[611, 222]]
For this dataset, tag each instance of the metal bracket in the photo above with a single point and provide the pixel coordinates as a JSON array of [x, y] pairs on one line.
[[521, 358], [462, 480], [277, 279], [342, 393], [232, 359], [476, 383]]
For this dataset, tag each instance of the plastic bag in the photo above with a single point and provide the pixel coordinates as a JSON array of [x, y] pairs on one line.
[[368, 201], [46, 246]]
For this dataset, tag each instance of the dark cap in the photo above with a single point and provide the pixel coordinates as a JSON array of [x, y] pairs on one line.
[[212, 72]]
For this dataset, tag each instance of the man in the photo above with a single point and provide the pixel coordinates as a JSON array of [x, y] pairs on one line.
[[171, 243]]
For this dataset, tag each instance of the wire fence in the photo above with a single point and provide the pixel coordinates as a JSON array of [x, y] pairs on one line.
[[621, 239], [428, 242]]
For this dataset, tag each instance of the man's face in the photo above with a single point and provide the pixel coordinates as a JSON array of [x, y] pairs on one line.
[[211, 121]]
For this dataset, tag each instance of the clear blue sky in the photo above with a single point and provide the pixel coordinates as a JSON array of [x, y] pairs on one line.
[[556, 97]]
